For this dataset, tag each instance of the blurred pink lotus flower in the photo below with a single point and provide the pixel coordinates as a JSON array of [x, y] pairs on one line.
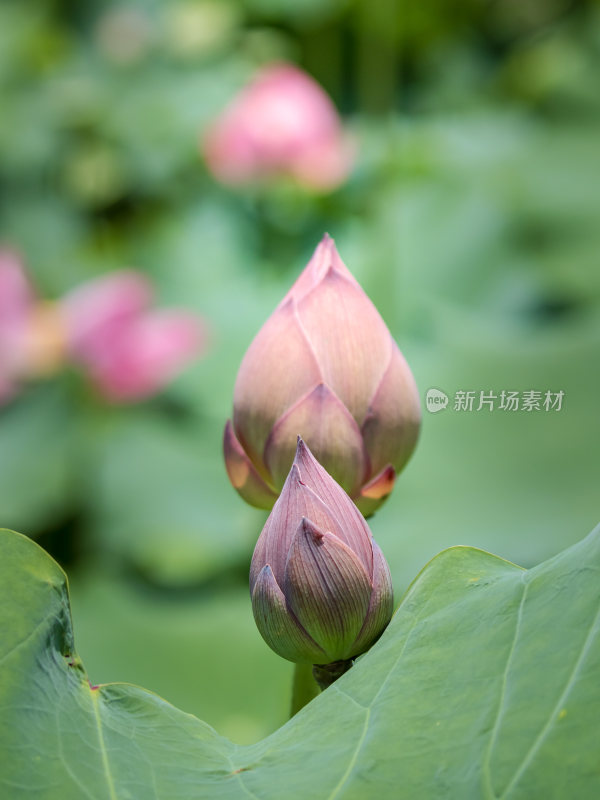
[[281, 123], [106, 326], [323, 366], [129, 350]]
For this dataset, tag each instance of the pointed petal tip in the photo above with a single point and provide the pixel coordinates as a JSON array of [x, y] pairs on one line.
[[328, 262], [325, 259], [295, 473], [301, 450], [303, 459], [263, 574], [311, 531], [300, 447], [327, 247]]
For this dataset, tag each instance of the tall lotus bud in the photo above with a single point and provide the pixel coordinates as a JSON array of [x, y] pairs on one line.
[[320, 586], [281, 123], [324, 366]]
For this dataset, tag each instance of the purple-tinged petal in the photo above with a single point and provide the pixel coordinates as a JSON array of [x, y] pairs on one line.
[[350, 340], [356, 531], [334, 437], [277, 625], [296, 501], [376, 491], [242, 474], [391, 427], [278, 368], [327, 588], [381, 604]]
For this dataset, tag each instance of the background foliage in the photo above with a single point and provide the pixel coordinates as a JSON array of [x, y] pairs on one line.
[[471, 219]]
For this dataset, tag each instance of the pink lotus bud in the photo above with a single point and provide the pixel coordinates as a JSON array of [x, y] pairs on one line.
[[282, 123], [321, 588], [323, 366], [129, 351]]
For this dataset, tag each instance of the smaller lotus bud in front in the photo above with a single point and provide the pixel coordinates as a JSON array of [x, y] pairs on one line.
[[321, 588]]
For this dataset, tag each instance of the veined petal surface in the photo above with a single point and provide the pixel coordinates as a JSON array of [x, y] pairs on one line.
[[323, 421], [327, 588]]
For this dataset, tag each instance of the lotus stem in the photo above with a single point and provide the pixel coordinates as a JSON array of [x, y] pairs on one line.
[[304, 687]]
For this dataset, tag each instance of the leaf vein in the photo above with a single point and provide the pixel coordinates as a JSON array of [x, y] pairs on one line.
[[61, 753], [103, 751], [349, 696], [501, 701], [533, 750], [238, 775], [353, 760]]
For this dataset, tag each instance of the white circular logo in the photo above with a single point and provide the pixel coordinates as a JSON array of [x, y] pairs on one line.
[[436, 400]]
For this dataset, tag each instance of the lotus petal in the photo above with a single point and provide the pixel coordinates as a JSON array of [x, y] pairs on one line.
[[334, 437], [391, 427], [278, 368], [381, 604], [350, 340], [277, 625], [356, 531], [327, 588], [242, 474], [376, 491], [296, 501]]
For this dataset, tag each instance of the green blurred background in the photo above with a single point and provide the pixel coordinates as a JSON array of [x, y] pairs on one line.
[[472, 219]]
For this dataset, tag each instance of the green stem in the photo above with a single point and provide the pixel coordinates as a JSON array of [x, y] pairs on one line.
[[304, 687]]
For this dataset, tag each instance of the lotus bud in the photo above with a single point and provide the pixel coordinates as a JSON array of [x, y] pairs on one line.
[[320, 586], [324, 366]]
